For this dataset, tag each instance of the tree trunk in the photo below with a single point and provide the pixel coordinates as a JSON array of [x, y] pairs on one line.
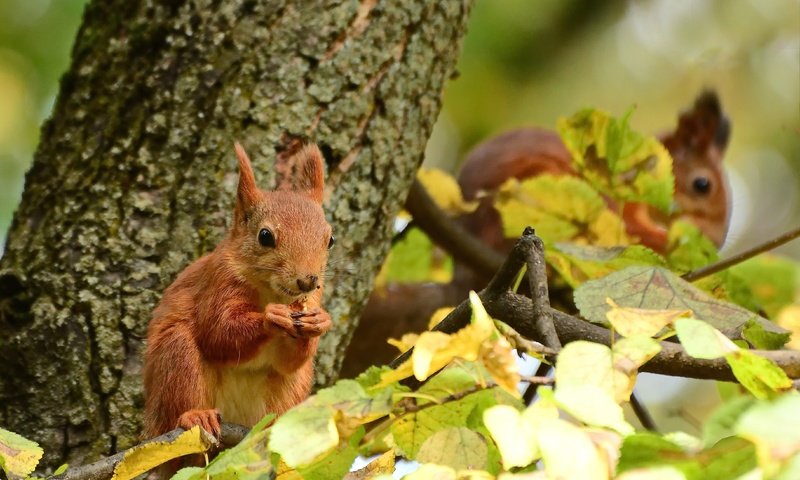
[[135, 177]]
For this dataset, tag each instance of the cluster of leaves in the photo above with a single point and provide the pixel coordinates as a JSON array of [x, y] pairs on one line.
[[467, 420]]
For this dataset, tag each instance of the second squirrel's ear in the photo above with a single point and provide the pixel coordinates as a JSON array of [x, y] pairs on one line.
[[247, 193], [308, 174]]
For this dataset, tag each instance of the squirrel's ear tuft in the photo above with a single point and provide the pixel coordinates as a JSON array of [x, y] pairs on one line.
[[247, 193], [309, 176]]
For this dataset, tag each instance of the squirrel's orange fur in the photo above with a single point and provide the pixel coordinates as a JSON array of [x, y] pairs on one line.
[[697, 146], [236, 333]]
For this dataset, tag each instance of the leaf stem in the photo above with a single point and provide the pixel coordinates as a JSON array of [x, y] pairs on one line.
[[741, 257]]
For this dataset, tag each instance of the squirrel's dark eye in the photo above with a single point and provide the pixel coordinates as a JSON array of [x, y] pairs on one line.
[[331, 242], [266, 238], [701, 185]]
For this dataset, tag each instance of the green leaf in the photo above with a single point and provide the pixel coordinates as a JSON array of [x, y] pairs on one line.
[[579, 263], [701, 340], [18, 455], [372, 376], [562, 208], [459, 447], [562, 444], [658, 288], [759, 375], [337, 463], [772, 427], [350, 399], [249, 460], [759, 337], [722, 421], [303, 434], [618, 162], [687, 248], [412, 260]]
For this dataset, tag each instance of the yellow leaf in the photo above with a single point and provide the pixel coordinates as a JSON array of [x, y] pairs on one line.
[[514, 432], [445, 191], [145, 457], [630, 322], [585, 363], [497, 356], [568, 452], [18, 455], [431, 471], [407, 341], [789, 318]]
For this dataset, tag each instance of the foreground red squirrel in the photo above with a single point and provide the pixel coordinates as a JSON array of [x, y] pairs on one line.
[[697, 146], [236, 333]]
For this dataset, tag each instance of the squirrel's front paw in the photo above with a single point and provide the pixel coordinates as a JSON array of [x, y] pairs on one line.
[[311, 323], [279, 315], [209, 420]]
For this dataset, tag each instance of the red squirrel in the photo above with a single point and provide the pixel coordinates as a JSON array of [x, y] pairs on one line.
[[235, 334], [696, 146]]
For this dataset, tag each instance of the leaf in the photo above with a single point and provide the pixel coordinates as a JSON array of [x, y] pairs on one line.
[[562, 208], [579, 263], [729, 459], [630, 322], [617, 161], [432, 472], [587, 363], [514, 432], [444, 190], [336, 463], [657, 288], [434, 350], [18, 455], [761, 338], [149, 455], [593, 406], [772, 427], [459, 448], [628, 354], [568, 452], [701, 340], [687, 248], [247, 460], [381, 465], [498, 358], [303, 434], [652, 473], [412, 259], [354, 406], [759, 375]]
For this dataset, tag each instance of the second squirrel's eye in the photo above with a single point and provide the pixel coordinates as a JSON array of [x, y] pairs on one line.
[[331, 242], [266, 238], [701, 185]]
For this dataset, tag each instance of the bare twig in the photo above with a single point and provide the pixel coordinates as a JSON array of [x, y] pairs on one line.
[[230, 435], [537, 278], [741, 257], [643, 414], [538, 380]]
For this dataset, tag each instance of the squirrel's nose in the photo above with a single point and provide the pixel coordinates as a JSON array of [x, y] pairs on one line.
[[308, 284]]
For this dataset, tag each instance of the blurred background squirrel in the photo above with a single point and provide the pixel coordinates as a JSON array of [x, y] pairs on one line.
[[697, 145]]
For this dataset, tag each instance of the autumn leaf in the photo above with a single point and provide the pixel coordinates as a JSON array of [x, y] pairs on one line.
[[759, 375], [630, 322], [579, 263], [772, 427], [303, 434], [701, 340], [18, 455], [562, 444], [457, 447], [382, 465], [514, 432], [563, 208], [789, 318], [147, 456], [617, 161], [658, 289], [444, 190]]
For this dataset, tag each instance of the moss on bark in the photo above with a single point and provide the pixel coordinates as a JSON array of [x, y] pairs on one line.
[[135, 177]]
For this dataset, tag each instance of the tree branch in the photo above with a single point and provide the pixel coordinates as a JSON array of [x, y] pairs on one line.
[[741, 257], [448, 234], [230, 435]]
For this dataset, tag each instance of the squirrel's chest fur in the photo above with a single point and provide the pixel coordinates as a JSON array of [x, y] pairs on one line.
[[244, 392]]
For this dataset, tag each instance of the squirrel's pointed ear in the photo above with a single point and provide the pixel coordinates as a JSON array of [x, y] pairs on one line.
[[247, 193], [309, 176]]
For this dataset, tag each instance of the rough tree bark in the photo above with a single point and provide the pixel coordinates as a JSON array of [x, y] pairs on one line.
[[135, 176]]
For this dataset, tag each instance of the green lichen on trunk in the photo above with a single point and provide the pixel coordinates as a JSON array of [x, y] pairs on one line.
[[135, 175]]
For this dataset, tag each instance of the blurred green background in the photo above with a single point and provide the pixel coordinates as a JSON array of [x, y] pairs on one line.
[[529, 62]]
